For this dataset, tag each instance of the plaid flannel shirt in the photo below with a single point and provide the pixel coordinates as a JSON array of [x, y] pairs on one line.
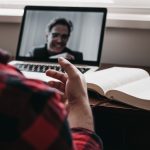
[[33, 117]]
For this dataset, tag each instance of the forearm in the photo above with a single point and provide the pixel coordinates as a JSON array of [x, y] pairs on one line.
[[80, 115]]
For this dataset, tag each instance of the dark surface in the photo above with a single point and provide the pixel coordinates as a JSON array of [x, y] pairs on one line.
[[120, 126], [122, 129]]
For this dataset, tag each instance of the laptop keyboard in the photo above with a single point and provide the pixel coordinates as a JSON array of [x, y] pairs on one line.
[[43, 68]]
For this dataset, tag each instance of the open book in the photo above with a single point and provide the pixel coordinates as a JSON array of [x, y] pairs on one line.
[[127, 85]]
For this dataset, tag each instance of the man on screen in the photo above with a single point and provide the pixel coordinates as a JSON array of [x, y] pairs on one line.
[[57, 35]]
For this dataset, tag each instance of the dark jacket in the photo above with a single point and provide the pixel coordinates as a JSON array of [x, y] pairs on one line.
[[42, 53]]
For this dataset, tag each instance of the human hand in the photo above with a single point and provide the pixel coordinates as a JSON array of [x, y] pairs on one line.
[[70, 57], [72, 84]]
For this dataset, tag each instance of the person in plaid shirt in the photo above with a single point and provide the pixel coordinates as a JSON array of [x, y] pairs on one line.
[[34, 115]]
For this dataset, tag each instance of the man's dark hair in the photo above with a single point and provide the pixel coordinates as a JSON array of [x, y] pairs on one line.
[[60, 21]]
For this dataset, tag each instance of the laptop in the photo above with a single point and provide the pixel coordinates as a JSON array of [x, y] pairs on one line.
[[85, 39]]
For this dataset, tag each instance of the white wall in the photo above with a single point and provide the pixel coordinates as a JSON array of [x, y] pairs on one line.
[[121, 45], [127, 46]]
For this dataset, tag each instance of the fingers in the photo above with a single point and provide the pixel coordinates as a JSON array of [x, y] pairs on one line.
[[61, 87], [70, 69], [58, 85], [70, 57], [57, 75]]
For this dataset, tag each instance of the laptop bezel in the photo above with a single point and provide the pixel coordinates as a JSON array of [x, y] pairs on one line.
[[64, 8]]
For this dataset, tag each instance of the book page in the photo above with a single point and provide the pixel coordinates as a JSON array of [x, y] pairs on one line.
[[139, 89], [114, 77], [136, 93], [59, 55]]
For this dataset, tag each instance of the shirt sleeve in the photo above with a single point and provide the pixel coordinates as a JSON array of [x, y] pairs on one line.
[[32, 115], [85, 139]]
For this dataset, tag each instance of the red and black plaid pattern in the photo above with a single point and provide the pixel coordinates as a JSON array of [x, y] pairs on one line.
[[33, 117], [84, 139]]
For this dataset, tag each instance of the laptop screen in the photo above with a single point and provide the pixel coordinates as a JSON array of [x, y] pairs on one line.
[[72, 32]]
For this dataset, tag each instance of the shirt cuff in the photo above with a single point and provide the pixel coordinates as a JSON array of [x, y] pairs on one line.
[[84, 138]]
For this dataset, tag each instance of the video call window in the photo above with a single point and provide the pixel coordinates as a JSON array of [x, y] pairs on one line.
[[84, 38]]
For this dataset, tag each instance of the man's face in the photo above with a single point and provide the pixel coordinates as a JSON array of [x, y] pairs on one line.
[[57, 38]]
